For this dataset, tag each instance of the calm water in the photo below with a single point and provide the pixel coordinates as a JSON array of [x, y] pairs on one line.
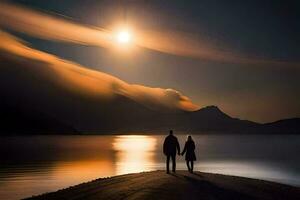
[[36, 164]]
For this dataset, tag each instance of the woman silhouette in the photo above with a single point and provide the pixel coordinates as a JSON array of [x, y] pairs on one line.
[[190, 157]]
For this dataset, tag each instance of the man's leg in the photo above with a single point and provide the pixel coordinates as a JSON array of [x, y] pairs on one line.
[[173, 163], [168, 160]]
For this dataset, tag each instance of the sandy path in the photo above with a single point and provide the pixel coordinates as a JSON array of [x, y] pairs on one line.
[[182, 185]]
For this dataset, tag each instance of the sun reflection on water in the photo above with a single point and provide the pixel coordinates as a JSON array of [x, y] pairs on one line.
[[134, 153]]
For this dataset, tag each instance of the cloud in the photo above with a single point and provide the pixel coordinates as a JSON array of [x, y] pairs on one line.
[[77, 78], [189, 45], [49, 27]]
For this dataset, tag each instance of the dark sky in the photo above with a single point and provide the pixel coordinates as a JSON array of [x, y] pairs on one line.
[[265, 29]]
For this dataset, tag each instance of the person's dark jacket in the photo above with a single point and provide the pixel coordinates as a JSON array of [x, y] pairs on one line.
[[171, 145], [189, 149]]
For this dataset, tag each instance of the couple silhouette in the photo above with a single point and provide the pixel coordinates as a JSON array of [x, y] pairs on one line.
[[171, 147]]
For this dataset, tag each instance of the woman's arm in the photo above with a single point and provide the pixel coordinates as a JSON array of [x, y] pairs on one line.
[[184, 150]]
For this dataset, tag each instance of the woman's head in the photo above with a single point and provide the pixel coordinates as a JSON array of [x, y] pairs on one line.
[[189, 138]]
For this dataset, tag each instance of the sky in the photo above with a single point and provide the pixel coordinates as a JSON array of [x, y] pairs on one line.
[[242, 56]]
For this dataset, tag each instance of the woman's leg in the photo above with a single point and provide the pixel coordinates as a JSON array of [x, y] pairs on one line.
[[192, 166], [188, 165]]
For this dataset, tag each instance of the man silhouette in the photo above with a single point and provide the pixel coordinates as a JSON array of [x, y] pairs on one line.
[[170, 147]]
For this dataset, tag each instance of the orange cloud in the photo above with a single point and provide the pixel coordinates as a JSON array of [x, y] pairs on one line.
[[50, 27], [90, 82], [189, 45]]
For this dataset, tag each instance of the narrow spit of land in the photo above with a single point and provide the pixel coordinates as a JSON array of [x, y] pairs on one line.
[[182, 185]]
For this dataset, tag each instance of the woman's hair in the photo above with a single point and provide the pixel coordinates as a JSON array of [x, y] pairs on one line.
[[189, 138]]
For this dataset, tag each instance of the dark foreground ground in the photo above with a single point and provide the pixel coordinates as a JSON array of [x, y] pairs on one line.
[[182, 185]]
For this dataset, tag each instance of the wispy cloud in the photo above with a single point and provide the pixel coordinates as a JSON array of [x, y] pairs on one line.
[[49, 27], [77, 78], [189, 45]]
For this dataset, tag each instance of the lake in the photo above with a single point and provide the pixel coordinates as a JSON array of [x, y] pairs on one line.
[[32, 165]]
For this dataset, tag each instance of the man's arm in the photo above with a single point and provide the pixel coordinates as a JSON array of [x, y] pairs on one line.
[[164, 147], [178, 146]]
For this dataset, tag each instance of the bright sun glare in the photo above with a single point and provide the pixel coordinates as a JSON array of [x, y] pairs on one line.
[[123, 36]]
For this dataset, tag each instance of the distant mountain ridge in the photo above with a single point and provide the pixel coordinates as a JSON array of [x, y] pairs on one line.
[[285, 125], [33, 103], [130, 117]]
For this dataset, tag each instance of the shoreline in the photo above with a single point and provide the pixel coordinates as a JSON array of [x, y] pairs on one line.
[[149, 134], [181, 185]]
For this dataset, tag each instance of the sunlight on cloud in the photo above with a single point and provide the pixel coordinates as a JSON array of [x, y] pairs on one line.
[[49, 27], [90, 82]]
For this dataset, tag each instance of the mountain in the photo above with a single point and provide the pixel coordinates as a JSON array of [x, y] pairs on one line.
[[282, 126], [19, 120], [39, 98]]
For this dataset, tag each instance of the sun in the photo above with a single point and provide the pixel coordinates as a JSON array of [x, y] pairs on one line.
[[123, 36]]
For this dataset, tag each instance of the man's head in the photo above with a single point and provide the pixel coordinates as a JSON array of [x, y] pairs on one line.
[[171, 132]]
